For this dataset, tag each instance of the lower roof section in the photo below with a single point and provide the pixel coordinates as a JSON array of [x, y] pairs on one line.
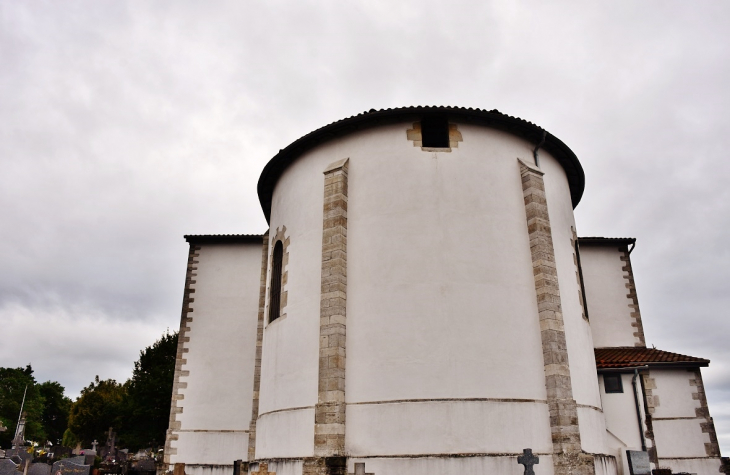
[[629, 357], [223, 238], [605, 241]]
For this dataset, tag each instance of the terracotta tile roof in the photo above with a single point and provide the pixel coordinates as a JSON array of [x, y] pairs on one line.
[[627, 357]]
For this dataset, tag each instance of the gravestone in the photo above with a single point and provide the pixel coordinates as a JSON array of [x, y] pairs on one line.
[[109, 452], [78, 460], [39, 469], [528, 460], [87, 457], [8, 467], [19, 439], [60, 452], [19, 455], [65, 467], [638, 462], [146, 465]]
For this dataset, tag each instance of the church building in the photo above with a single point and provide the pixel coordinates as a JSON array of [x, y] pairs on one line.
[[423, 305]]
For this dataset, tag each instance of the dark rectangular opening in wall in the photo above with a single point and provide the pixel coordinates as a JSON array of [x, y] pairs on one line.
[[612, 383], [435, 132]]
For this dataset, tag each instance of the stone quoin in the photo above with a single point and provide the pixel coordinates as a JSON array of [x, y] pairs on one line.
[[422, 305]]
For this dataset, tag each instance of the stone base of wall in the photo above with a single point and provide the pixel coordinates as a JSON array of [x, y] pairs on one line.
[[574, 463], [305, 466], [433, 464], [325, 466]]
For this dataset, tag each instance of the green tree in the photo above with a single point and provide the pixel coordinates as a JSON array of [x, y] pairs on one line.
[[98, 408], [13, 383], [56, 408], [147, 404]]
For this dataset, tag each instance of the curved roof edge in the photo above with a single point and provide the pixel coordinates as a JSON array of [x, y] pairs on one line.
[[372, 118]]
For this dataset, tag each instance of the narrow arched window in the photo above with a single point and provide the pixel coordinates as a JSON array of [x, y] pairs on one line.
[[275, 293]]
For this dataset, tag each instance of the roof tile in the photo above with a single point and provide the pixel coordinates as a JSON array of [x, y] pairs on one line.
[[625, 357]]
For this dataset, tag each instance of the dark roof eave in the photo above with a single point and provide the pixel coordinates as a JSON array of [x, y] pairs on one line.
[[657, 365], [372, 118], [604, 241], [223, 238]]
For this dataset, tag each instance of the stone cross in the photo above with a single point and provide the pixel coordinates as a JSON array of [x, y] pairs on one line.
[[94, 444], [528, 460], [360, 470], [264, 469], [111, 439]]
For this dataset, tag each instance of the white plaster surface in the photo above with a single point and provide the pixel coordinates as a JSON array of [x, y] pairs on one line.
[[592, 425], [605, 465], [209, 469], [606, 293], [210, 447], [679, 438], [449, 427], [502, 465], [619, 410], [220, 356], [281, 467], [285, 434], [674, 394], [441, 298], [700, 466]]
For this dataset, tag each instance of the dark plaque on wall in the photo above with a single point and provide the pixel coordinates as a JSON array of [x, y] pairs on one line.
[[638, 462]]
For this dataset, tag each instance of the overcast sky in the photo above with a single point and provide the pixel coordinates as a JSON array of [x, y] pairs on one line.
[[124, 125]]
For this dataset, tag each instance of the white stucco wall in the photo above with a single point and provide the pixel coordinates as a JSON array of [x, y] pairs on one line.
[[619, 410], [441, 298], [622, 424], [606, 294], [216, 404], [673, 394], [285, 433], [701, 466], [677, 429], [446, 427]]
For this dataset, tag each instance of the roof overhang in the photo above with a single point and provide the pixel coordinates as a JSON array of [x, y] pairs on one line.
[[373, 118], [604, 241], [649, 366], [223, 238], [613, 359]]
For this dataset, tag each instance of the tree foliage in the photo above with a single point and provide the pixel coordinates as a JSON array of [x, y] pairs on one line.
[[56, 408], [147, 405], [43, 402], [98, 408], [139, 410]]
